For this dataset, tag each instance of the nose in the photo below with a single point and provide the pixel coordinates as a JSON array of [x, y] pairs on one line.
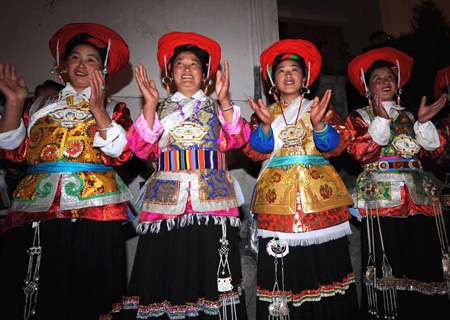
[[288, 74]]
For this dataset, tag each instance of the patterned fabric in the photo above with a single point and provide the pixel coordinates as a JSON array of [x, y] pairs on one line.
[[186, 311], [305, 193], [208, 190], [444, 159], [396, 188], [66, 134]]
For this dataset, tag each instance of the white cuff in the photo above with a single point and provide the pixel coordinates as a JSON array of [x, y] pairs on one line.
[[114, 143], [379, 131], [12, 139], [427, 135]]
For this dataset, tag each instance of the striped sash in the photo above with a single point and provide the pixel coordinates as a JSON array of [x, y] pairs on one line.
[[191, 159]]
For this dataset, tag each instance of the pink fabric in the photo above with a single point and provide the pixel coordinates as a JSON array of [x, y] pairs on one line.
[[143, 128], [233, 135], [149, 216]]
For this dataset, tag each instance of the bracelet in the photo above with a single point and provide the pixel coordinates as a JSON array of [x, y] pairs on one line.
[[326, 126], [111, 125], [230, 107]]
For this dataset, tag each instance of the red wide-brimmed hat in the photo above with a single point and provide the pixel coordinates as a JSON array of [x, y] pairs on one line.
[[305, 49], [168, 42], [365, 60], [118, 54], [440, 81]]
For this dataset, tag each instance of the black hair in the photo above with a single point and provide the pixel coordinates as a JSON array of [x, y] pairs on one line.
[[201, 54], [299, 60], [376, 65], [83, 38], [48, 84], [376, 34]]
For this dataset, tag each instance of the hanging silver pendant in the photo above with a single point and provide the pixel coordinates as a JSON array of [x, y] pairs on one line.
[[278, 308], [224, 278], [31, 288]]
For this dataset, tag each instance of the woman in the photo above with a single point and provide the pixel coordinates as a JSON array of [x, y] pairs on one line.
[[63, 234], [299, 199], [404, 273], [187, 262]]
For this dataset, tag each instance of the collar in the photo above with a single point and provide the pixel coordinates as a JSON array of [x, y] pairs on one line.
[[70, 91], [388, 105], [199, 95]]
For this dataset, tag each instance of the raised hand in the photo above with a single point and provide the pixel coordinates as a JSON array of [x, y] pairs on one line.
[[378, 108], [262, 112], [223, 86], [13, 88], [147, 88], [318, 110], [98, 95], [15, 91], [426, 113]]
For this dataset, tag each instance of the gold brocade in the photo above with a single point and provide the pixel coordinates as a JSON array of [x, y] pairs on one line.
[[52, 141], [320, 187]]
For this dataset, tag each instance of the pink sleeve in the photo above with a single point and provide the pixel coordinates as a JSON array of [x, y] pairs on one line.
[[233, 135], [142, 140]]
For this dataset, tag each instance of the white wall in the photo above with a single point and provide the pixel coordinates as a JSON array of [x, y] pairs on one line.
[[244, 28]]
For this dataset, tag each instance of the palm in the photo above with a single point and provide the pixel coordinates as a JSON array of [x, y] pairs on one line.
[[14, 89], [147, 87], [426, 113]]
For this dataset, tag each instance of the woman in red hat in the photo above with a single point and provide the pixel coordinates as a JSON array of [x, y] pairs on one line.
[[300, 202], [187, 263], [63, 254], [399, 203]]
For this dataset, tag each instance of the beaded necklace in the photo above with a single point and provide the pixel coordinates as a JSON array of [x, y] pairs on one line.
[[196, 110]]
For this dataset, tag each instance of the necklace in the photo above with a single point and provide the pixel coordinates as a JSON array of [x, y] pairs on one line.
[[196, 110], [298, 112]]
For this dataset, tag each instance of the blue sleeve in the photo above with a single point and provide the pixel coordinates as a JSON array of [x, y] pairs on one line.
[[327, 140], [261, 142]]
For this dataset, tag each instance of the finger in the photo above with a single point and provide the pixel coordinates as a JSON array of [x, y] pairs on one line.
[[13, 73], [219, 76], [261, 104], [2, 71], [22, 82], [252, 104], [8, 71], [423, 101], [227, 68]]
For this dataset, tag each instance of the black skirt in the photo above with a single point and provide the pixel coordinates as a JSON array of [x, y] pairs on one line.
[[413, 250], [82, 270], [175, 274], [318, 280]]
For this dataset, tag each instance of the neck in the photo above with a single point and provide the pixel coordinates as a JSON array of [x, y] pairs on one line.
[[188, 93], [290, 97]]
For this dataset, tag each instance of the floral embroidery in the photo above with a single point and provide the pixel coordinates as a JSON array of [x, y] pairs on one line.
[[326, 191], [49, 152], [276, 177], [315, 174], [271, 196], [74, 149]]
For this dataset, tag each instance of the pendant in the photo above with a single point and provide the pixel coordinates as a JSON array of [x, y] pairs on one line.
[[188, 133], [69, 117], [405, 146], [292, 135]]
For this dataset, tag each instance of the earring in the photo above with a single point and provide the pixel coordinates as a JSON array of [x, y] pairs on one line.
[[167, 81], [58, 70], [274, 91], [369, 97], [304, 90], [207, 83], [105, 71], [399, 92]]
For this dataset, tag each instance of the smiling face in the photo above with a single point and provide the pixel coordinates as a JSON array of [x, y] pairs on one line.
[[187, 73], [81, 64], [383, 79], [289, 79]]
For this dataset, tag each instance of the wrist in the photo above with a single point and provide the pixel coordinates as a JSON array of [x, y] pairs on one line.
[[320, 126], [226, 105]]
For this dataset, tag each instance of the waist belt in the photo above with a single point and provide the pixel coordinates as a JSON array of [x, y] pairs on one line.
[[315, 159], [390, 165], [191, 159], [54, 167]]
